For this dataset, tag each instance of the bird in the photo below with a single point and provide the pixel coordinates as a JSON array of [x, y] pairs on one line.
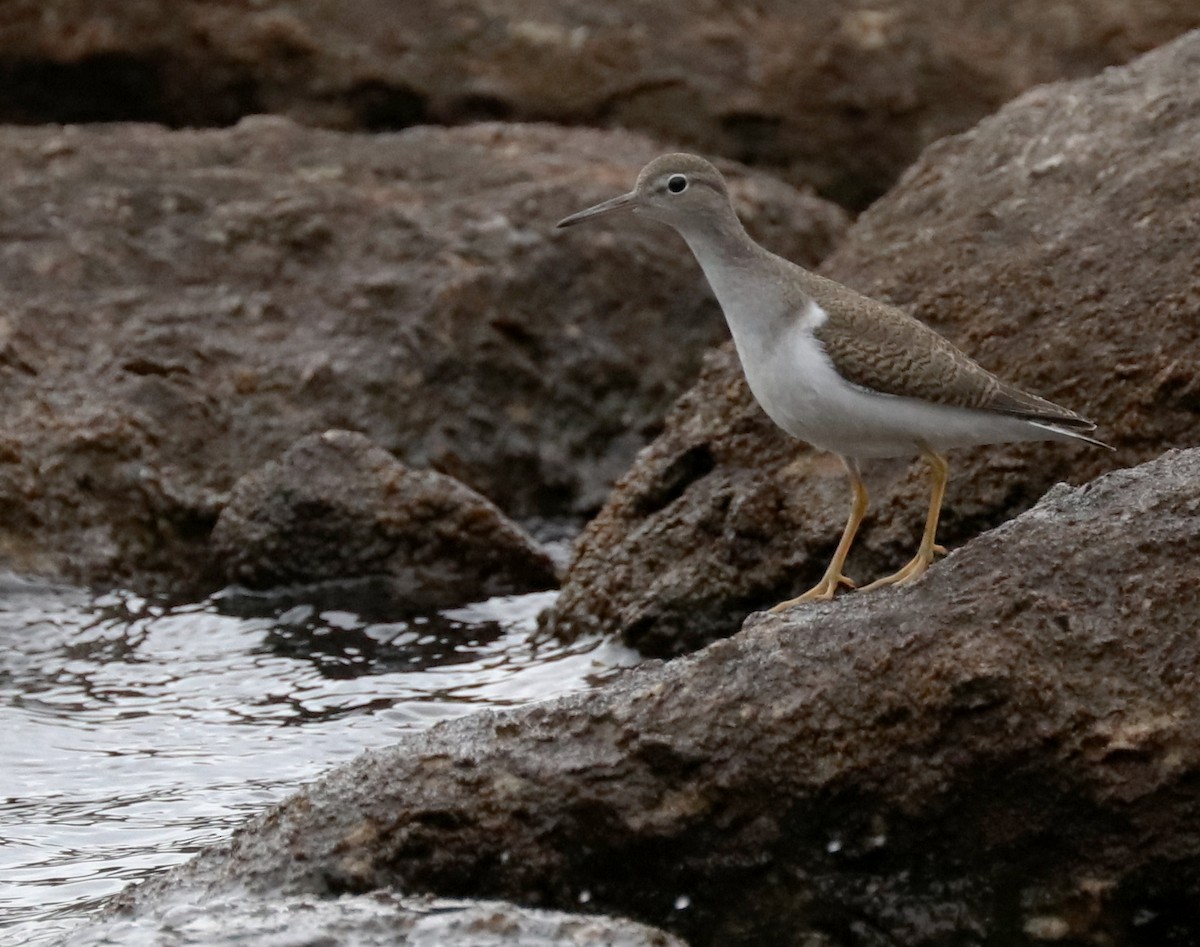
[[846, 373]]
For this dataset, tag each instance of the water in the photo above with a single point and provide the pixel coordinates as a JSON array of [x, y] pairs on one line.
[[133, 735]]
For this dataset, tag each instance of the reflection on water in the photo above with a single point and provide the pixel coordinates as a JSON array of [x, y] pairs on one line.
[[132, 735]]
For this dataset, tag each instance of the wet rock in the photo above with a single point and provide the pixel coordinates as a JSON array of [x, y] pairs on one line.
[[1055, 243], [180, 307], [336, 507], [1011, 746], [835, 94], [380, 919]]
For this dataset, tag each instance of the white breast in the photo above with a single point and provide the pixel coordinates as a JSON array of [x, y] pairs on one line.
[[797, 385]]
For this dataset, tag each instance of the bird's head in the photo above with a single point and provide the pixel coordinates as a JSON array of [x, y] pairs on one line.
[[678, 189]]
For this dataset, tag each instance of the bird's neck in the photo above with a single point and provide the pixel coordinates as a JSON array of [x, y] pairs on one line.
[[724, 251], [745, 278]]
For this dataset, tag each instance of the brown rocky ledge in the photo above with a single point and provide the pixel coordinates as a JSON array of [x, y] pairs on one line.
[[835, 93], [177, 308], [1056, 243], [1008, 751]]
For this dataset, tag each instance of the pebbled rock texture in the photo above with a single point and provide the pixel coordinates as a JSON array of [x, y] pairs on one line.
[[1056, 244], [177, 308], [336, 507], [1008, 751], [841, 95], [375, 920]]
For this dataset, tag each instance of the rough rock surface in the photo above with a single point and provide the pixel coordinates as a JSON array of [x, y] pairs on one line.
[[840, 94], [1009, 750], [336, 507], [1056, 243], [382, 919], [177, 308]]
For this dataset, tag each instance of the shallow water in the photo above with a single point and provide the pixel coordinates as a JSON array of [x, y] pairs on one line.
[[133, 735]]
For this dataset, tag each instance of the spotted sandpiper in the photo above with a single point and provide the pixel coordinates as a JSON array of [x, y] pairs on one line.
[[844, 372]]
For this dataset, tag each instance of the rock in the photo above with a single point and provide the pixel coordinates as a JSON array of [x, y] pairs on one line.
[[381, 919], [833, 94], [335, 507], [180, 307], [1055, 243], [1013, 745]]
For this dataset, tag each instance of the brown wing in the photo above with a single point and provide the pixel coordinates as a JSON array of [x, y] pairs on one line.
[[882, 348]]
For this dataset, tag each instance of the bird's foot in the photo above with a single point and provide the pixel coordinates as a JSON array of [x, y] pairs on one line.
[[823, 591], [912, 570]]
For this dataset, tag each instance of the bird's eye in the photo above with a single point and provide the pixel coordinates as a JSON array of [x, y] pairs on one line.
[[677, 183]]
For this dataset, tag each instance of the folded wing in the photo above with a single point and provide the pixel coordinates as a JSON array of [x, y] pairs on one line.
[[883, 349]]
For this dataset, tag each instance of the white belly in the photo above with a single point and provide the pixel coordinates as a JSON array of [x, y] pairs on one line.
[[797, 386]]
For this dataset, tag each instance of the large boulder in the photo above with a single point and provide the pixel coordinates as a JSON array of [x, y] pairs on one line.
[[335, 508], [838, 94], [1056, 242], [1008, 752], [180, 307]]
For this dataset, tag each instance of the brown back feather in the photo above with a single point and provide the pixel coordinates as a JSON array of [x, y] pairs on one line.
[[882, 348]]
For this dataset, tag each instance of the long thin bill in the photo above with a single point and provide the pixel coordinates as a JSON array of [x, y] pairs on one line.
[[624, 202]]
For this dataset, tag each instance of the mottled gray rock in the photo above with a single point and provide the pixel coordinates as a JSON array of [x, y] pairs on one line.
[[841, 94], [1056, 243], [336, 507], [177, 308], [382, 919], [1007, 750]]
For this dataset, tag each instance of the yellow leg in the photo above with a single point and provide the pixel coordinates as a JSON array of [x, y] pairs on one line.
[[939, 473], [825, 589]]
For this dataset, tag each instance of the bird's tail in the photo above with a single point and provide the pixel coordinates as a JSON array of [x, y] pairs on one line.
[[1072, 431]]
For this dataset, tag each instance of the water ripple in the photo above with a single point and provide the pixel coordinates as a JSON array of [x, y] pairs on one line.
[[135, 734]]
